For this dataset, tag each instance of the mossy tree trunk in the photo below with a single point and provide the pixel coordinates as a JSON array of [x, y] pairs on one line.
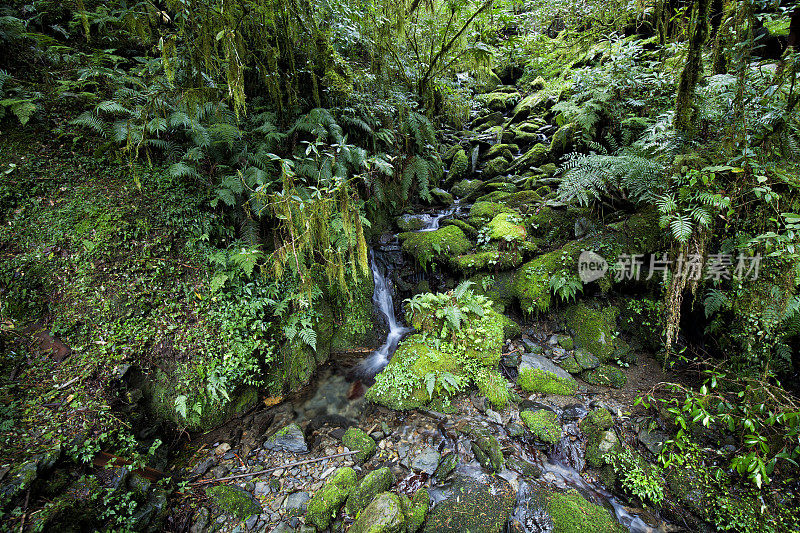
[[684, 102]]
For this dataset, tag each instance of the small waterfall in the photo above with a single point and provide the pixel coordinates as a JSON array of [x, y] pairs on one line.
[[384, 302]]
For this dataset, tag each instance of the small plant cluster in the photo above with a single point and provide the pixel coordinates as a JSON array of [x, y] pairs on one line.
[[636, 476]]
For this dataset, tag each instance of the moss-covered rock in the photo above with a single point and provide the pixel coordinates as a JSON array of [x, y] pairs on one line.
[[505, 227], [415, 515], [374, 483], [482, 212], [595, 422], [563, 139], [500, 101], [409, 223], [325, 503], [473, 506], [606, 376], [505, 150], [384, 515], [495, 260], [496, 287], [543, 424], [494, 386], [468, 230], [566, 342], [593, 329], [441, 360], [572, 513], [357, 439], [466, 189], [354, 319], [495, 167], [533, 104], [234, 501], [537, 155], [441, 196], [446, 466], [598, 448], [429, 246], [536, 380], [487, 451], [570, 365], [585, 359], [459, 166]]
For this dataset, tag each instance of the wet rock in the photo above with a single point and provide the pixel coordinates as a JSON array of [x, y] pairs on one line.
[[600, 446], [410, 223], [374, 483], [466, 189], [427, 461], [543, 424], [487, 451], [296, 502], [539, 374], [326, 502], [202, 467], [572, 412], [151, 512], [571, 512], [473, 506], [219, 471], [200, 524], [287, 439], [569, 364], [442, 197], [447, 464], [586, 360], [652, 440], [383, 515], [606, 376], [222, 449], [526, 468], [357, 439], [261, 488], [234, 501], [515, 430]]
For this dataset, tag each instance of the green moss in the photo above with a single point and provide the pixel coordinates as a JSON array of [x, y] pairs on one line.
[[572, 513], [495, 167], [532, 282], [503, 227], [459, 166], [498, 101], [497, 288], [563, 139], [409, 223], [429, 246], [537, 155], [488, 260], [482, 212], [234, 501], [384, 515], [473, 506], [354, 322], [595, 422], [488, 453], [586, 360], [501, 149], [566, 342], [415, 516], [466, 188], [536, 380], [606, 376], [543, 424], [593, 329], [468, 230], [494, 386], [357, 439], [325, 503], [374, 483], [570, 365]]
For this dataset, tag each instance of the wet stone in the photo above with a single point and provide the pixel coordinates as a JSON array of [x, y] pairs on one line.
[[288, 439], [426, 461]]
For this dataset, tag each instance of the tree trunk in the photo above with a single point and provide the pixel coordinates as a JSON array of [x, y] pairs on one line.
[[684, 102]]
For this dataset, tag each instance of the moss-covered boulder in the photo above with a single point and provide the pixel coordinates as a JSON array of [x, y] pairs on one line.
[[585, 359], [570, 365], [409, 223], [374, 483], [500, 101], [234, 501], [487, 451], [563, 139], [572, 513], [543, 424], [326, 502], [496, 287], [606, 376], [505, 227], [466, 189], [496, 167], [459, 167], [354, 319], [441, 196], [532, 104], [473, 506], [357, 439], [460, 343], [593, 329], [384, 515], [482, 212], [600, 447], [429, 246], [493, 260], [417, 510], [539, 374], [505, 150], [595, 422], [537, 155]]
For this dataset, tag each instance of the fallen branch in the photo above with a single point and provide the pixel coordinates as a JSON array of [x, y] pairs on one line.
[[298, 463]]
